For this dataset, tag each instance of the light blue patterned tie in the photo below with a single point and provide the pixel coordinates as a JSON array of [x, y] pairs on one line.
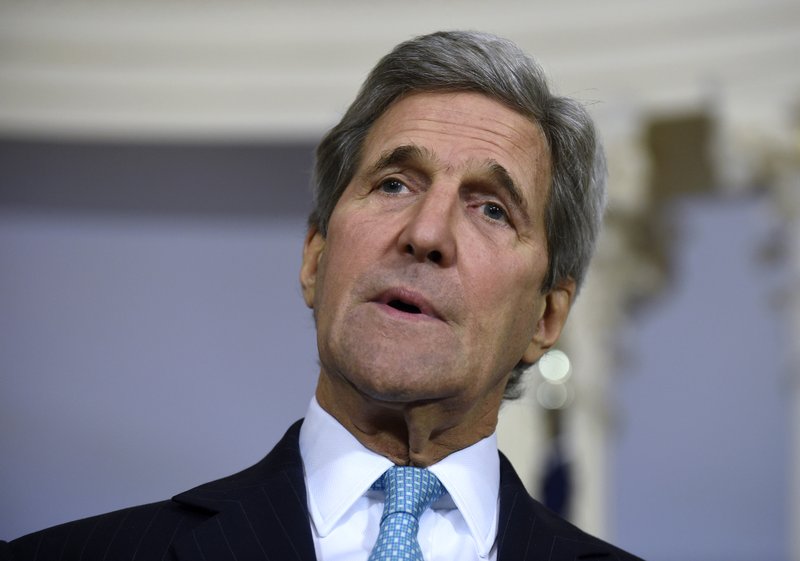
[[409, 491]]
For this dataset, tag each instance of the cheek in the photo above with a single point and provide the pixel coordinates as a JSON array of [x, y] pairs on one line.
[[346, 257], [511, 297], [331, 281], [360, 243]]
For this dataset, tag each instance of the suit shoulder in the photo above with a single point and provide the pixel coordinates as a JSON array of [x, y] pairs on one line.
[[570, 542], [529, 530], [145, 532], [570, 538], [150, 532]]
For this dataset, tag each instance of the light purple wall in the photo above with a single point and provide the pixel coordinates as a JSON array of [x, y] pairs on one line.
[[146, 344], [701, 468]]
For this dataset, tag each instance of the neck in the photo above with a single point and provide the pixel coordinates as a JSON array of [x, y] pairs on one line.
[[415, 433]]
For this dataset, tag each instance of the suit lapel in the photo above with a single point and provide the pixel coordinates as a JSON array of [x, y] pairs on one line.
[[517, 522], [261, 514], [258, 514], [527, 531]]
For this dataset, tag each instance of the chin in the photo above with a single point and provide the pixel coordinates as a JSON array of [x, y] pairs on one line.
[[398, 386]]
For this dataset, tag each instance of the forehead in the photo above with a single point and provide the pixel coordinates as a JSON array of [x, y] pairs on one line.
[[462, 129]]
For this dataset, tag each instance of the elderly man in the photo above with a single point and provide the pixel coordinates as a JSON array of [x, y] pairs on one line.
[[457, 205]]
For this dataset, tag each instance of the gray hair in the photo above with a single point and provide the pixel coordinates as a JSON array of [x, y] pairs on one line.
[[456, 61]]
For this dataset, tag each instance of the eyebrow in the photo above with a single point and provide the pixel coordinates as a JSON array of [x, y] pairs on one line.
[[408, 153], [401, 155]]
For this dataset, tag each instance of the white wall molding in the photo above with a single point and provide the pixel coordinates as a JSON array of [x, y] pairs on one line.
[[245, 70]]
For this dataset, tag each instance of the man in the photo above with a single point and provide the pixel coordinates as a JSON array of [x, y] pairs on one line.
[[456, 207]]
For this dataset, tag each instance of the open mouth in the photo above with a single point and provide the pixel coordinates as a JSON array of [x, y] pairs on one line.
[[408, 302], [404, 307]]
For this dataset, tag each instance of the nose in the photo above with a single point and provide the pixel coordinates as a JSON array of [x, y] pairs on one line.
[[429, 233]]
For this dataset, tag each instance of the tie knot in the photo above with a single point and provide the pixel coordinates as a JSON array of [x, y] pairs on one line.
[[408, 489]]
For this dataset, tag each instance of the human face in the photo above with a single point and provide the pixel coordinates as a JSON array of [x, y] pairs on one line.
[[427, 285]]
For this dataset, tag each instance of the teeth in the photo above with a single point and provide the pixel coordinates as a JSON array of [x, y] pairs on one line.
[[404, 307]]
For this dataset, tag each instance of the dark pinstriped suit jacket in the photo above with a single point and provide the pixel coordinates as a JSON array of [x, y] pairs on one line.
[[261, 514]]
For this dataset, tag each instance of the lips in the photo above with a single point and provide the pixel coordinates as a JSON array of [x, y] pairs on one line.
[[407, 302]]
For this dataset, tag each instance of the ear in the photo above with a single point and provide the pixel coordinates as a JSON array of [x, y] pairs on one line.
[[312, 252], [557, 304]]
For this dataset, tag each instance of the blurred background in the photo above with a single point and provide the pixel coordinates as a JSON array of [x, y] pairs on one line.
[[155, 162]]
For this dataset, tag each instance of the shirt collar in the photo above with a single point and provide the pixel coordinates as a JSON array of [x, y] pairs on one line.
[[472, 478], [339, 470]]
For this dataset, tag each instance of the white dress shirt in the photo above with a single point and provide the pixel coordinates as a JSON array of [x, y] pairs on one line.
[[346, 513]]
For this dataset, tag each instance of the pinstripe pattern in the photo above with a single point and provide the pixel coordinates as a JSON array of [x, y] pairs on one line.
[[260, 514], [529, 532], [143, 532]]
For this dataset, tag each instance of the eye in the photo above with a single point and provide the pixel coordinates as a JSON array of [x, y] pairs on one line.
[[392, 186], [495, 212]]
